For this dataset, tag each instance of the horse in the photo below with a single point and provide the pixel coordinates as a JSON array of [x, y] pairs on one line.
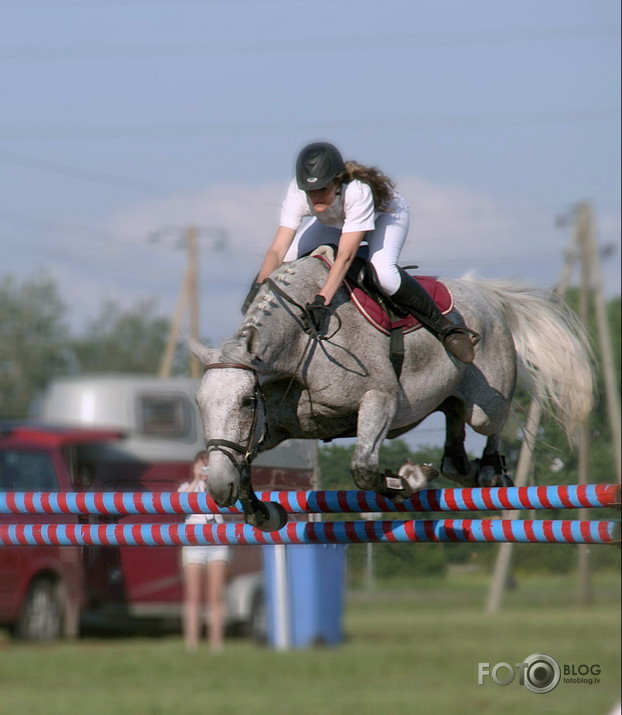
[[276, 378]]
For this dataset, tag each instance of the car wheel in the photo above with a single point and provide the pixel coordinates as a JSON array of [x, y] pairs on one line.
[[42, 615]]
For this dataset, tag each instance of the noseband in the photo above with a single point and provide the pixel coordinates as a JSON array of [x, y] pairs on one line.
[[217, 444]]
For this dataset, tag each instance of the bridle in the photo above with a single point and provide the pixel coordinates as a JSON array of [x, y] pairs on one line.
[[252, 446]]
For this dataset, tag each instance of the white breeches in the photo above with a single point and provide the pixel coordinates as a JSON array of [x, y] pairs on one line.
[[385, 243]]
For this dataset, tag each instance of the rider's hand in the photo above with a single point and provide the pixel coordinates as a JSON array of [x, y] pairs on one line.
[[318, 312]]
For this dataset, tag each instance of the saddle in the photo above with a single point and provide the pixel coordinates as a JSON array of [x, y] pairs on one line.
[[378, 308]]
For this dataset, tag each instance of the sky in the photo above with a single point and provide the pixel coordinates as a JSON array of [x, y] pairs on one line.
[[124, 122]]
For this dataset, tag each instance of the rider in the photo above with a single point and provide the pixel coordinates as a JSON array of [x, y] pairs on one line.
[[349, 203]]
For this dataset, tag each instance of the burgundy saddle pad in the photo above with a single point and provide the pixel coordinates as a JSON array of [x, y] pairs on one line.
[[375, 314]]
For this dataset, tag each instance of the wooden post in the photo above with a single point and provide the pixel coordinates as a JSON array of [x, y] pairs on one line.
[[167, 359], [192, 246], [583, 552]]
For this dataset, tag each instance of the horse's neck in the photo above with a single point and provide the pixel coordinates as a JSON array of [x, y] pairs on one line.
[[277, 320]]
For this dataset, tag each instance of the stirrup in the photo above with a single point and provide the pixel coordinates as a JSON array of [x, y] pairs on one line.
[[460, 349], [473, 336], [470, 334]]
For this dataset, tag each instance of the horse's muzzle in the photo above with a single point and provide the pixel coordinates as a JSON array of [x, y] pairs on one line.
[[224, 494]]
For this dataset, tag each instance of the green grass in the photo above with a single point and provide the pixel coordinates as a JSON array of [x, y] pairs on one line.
[[410, 647]]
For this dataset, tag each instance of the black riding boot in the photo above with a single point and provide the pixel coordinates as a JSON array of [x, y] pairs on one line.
[[417, 301]]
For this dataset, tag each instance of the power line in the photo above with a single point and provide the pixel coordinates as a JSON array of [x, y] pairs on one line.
[[281, 46], [14, 158], [25, 4], [410, 124], [15, 217]]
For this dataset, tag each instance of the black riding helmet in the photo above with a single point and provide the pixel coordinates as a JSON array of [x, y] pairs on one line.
[[317, 165]]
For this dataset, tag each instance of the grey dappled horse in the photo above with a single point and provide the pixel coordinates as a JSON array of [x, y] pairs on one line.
[[276, 379]]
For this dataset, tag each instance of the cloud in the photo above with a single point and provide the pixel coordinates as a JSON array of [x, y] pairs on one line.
[[454, 230], [448, 223], [248, 215]]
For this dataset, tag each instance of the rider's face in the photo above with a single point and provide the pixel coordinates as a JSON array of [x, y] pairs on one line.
[[323, 198]]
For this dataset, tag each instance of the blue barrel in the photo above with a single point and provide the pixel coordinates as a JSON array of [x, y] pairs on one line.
[[305, 594]]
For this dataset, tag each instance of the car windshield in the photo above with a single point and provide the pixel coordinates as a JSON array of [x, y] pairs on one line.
[[26, 470]]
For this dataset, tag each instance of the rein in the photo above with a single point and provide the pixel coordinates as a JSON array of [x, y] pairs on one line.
[[217, 444], [305, 317]]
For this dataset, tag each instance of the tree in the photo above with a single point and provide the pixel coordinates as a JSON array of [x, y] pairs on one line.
[[34, 340], [120, 340], [36, 344]]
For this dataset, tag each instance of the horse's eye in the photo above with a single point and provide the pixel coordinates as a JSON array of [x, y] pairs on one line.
[[248, 402]]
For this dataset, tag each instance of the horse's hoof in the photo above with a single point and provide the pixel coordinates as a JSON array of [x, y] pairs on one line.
[[487, 478], [411, 478], [417, 476], [269, 517], [506, 480]]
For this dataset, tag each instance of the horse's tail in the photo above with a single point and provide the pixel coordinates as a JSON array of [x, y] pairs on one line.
[[552, 346]]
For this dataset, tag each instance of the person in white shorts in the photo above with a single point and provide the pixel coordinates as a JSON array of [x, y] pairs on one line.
[[347, 203], [203, 566]]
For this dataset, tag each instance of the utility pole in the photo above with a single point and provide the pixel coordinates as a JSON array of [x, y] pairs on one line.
[[584, 237], [192, 246], [591, 257], [591, 298], [188, 299]]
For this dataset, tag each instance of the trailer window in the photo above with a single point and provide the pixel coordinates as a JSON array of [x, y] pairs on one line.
[[27, 471], [168, 416]]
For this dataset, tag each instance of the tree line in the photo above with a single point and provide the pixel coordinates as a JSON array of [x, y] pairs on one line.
[[38, 344]]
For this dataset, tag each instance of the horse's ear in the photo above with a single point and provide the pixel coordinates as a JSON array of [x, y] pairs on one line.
[[206, 355]]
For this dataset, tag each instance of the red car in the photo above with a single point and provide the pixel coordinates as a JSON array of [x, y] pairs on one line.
[[42, 588], [49, 591]]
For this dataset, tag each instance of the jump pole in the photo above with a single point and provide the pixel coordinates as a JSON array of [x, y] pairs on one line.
[[316, 502], [333, 532]]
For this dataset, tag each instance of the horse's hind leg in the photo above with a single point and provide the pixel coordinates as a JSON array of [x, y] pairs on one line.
[[455, 463], [491, 471]]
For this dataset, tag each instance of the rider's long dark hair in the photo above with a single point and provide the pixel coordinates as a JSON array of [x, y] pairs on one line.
[[381, 186]]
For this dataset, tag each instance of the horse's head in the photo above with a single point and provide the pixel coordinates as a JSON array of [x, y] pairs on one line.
[[234, 421]]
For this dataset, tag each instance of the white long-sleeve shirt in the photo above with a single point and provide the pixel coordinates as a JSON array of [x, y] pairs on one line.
[[352, 210]]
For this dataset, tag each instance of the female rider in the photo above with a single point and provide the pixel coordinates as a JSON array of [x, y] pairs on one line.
[[349, 203]]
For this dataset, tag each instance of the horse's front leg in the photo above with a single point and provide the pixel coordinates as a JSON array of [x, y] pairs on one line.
[[375, 415], [266, 516]]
